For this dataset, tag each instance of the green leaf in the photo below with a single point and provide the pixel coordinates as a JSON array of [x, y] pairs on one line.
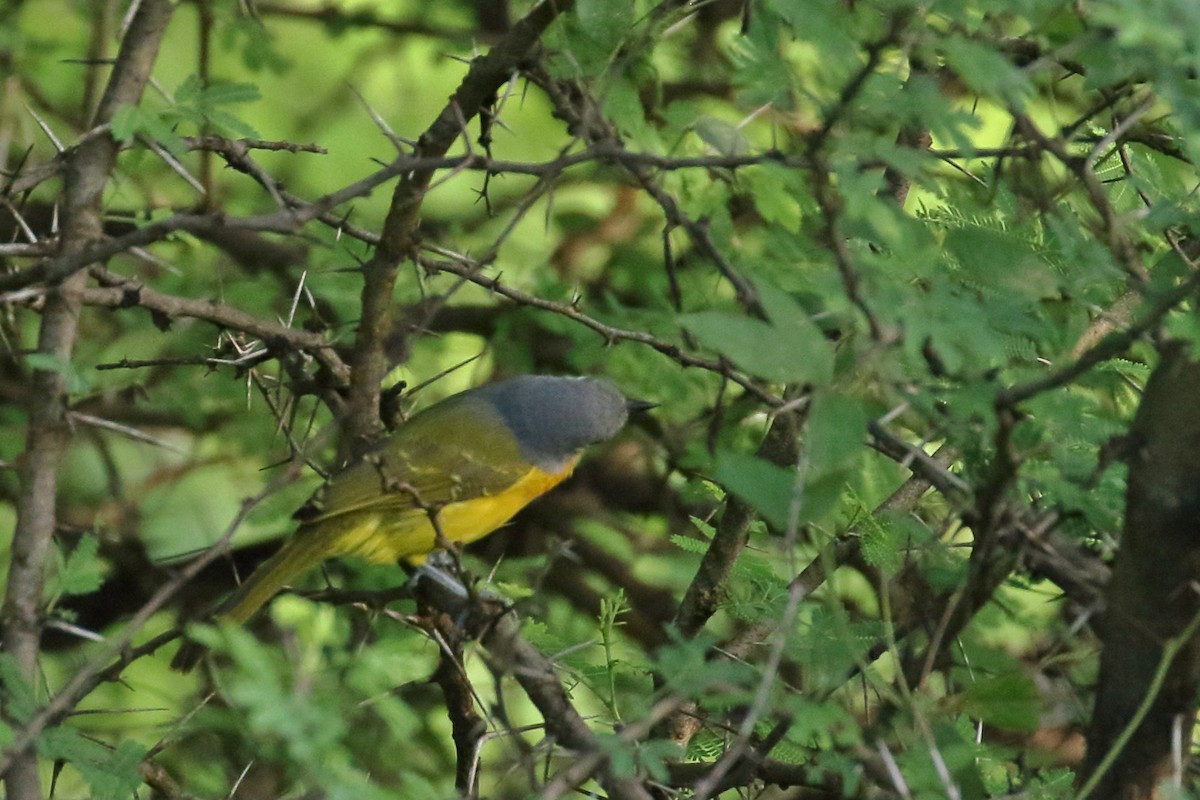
[[745, 342], [835, 433], [986, 71], [189, 90], [958, 761], [767, 488], [1185, 326], [1001, 259], [232, 123], [790, 348], [200, 105], [621, 756], [76, 383], [112, 774], [774, 198], [832, 644], [1008, 701], [880, 548], [82, 570], [623, 105], [606, 23], [821, 494], [20, 702], [689, 670], [721, 136], [655, 755], [889, 537], [818, 724], [218, 92], [129, 121], [592, 36], [229, 93], [689, 545], [125, 123]]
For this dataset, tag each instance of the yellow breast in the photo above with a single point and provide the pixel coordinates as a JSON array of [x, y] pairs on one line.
[[411, 536]]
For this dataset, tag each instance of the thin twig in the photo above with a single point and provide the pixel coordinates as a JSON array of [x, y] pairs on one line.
[[100, 669]]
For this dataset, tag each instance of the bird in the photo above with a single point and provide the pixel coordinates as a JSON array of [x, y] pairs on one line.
[[451, 474]]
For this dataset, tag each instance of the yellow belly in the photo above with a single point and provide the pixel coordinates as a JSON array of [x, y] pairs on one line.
[[411, 537]]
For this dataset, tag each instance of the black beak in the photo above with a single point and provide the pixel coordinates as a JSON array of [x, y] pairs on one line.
[[638, 406]]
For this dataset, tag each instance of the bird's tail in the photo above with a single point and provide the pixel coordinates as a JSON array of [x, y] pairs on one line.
[[304, 551]]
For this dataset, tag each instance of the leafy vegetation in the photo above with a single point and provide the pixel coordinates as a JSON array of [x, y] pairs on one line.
[[913, 286]]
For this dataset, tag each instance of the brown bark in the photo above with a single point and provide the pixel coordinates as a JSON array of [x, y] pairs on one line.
[[1152, 600]]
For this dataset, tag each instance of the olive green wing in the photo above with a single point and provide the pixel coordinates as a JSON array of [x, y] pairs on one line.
[[457, 450], [378, 508]]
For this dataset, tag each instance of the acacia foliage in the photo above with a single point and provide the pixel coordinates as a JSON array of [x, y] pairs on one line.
[[896, 274]]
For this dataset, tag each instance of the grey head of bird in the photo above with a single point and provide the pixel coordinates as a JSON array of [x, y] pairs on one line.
[[553, 418]]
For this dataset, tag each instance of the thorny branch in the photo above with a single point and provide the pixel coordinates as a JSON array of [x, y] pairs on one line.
[[1033, 537], [283, 221], [116, 291], [1112, 228], [118, 653], [400, 236], [586, 119], [1110, 346], [499, 631], [86, 174], [471, 272]]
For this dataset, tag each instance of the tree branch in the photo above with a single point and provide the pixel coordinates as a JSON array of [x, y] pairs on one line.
[[1152, 598], [707, 588], [120, 292], [118, 653], [399, 239], [471, 272], [86, 173], [499, 631]]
